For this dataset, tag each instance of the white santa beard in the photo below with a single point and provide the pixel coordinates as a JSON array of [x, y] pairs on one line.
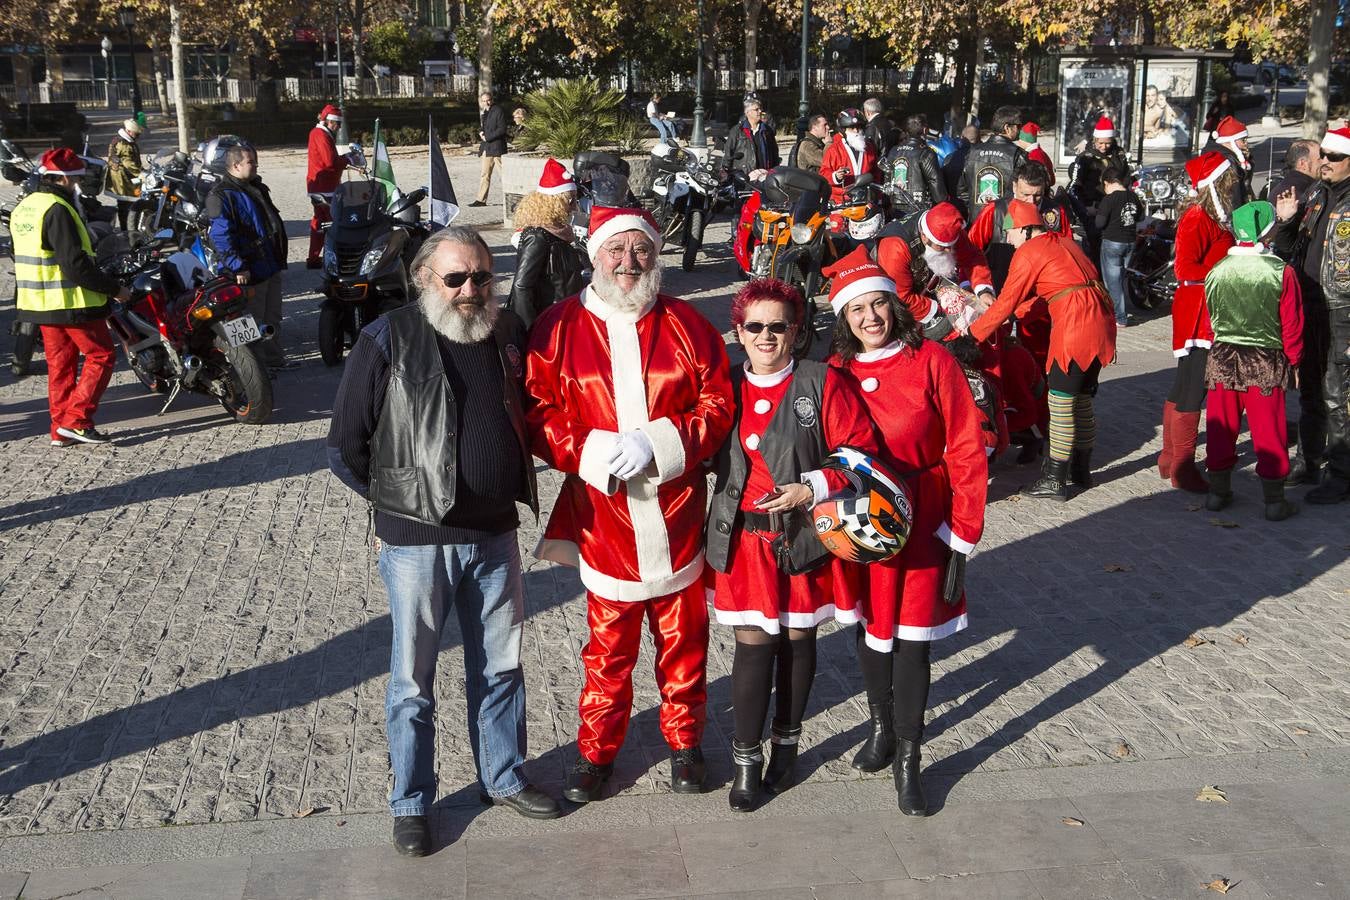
[[456, 326], [940, 262], [639, 297]]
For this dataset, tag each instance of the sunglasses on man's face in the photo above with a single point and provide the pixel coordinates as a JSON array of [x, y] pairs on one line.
[[454, 280], [1334, 157], [774, 327]]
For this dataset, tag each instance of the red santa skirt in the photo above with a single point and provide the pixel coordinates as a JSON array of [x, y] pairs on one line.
[[754, 591]]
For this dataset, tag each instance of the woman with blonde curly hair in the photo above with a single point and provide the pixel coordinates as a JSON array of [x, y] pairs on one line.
[[548, 268]]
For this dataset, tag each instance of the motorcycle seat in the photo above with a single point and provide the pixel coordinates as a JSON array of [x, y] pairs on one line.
[[784, 187]]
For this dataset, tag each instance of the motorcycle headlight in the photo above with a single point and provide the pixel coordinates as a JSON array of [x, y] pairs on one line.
[[371, 259], [329, 258], [1161, 189], [802, 233]]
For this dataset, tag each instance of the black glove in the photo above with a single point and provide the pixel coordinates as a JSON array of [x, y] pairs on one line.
[[954, 579]]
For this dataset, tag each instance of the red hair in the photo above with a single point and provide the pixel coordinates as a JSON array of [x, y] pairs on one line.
[[770, 289]]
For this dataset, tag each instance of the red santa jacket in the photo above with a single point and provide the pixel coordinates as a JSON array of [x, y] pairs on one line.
[[325, 165], [896, 258], [593, 372], [839, 156], [1201, 242]]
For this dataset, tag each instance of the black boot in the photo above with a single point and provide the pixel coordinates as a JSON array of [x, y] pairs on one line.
[[1220, 490], [1030, 446], [1277, 507], [587, 780], [1053, 483], [748, 759], [412, 835], [908, 787], [1306, 468], [1080, 467], [1333, 488], [687, 770], [781, 771], [879, 748]]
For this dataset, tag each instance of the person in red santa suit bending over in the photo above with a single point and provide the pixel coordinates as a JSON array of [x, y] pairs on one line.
[[631, 395], [325, 173]]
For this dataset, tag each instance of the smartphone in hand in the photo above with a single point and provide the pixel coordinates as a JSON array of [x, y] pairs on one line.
[[770, 495]]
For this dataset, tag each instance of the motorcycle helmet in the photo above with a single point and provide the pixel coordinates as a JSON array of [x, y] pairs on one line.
[[213, 152], [849, 118], [871, 522]]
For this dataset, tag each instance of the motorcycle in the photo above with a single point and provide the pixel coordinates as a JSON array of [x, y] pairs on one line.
[[163, 193], [1150, 279], [185, 330], [1161, 187], [685, 193], [602, 180], [368, 247]]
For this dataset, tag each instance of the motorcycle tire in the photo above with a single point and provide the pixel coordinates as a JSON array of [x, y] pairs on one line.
[[332, 334], [693, 239], [26, 336], [1136, 288], [247, 394]]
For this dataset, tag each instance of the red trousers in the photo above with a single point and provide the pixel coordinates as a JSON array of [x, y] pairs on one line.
[[1265, 419], [72, 402], [679, 627], [316, 235]]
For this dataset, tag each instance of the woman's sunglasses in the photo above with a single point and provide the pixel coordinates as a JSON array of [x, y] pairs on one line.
[[455, 280], [774, 327]]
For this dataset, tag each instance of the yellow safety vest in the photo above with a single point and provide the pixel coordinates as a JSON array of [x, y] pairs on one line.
[[41, 285]]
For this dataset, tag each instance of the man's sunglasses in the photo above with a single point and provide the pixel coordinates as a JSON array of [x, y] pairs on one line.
[[774, 327], [454, 280], [1335, 157]]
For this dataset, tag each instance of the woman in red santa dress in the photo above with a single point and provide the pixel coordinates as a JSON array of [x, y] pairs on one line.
[[1202, 240], [929, 429], [790, 414]]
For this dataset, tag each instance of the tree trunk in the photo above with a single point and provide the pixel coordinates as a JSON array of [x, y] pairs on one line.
[[485, 47], [917, 74], [358, 44], [958, 96], [180, 107], [1322, 27], [977, 73], [752, 11]]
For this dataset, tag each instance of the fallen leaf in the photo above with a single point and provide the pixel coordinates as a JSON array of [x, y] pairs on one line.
[[1224, 523], [1196, 640], [1117, 567], [1302, 731], [1070, 820], [341, 822], [1194, 507], [1121, 750], [1240, 639], [1221, 885], [1211, 794], [309, 811]]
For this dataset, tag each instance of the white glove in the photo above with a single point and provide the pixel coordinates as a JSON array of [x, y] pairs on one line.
[[632, 453]]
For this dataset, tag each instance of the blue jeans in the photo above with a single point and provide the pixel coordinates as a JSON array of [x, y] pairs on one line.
[[665, 129], [1114, 254], [483, 582]]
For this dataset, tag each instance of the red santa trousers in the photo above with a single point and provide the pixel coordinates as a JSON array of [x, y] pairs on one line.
[[679, 627], [1265, 418], [322, 214], [72, 401]]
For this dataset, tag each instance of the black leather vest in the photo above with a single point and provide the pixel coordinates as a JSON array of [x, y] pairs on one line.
[[793, 443], [414, 449]]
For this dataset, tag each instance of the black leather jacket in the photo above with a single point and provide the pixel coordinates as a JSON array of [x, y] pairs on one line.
[[1318, 242], [994, 155], [741, 155], [922, 175], [1085, 173], [548, 269]]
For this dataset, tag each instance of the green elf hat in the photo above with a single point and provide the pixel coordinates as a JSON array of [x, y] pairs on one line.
[[1253, 221], [1028, 133]]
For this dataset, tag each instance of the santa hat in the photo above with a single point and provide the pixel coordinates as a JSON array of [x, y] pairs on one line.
[[1229, 130], [1337, 140], [61, 161], [1253, 221], [853, 276], [1105, 129], [1206, 168], [607, 221], [556, 179], [942, 224], [1022, 214], [1029, 133], [330, 113]]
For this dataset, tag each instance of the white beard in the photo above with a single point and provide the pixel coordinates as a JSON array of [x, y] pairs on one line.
[[453, 325], [856, 141], [637, 299], [940, 262]]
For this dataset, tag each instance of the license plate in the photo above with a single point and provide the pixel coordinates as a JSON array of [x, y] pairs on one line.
[[241, 331]]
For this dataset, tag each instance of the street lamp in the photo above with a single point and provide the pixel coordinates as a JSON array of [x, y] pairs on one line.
[[107, 46], [696, 136], [126, 15], [803, 108], [343, 136]]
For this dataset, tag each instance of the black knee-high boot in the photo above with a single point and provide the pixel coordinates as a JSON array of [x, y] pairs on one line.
[[912, 674], [796, 670], [879, 747]]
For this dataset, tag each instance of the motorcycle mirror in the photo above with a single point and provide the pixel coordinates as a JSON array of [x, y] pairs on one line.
[[863, 180]]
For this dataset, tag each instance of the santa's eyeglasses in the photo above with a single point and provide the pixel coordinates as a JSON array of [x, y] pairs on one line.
[[455, 280]]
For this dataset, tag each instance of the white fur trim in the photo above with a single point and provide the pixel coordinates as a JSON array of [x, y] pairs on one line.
[[1246, 249], [820, 490], [734, 617], [923, 226], [618, 225], [567, 187], [1191, 344], [857, 288], [772, 380], [880, 353], [564, 553], [902, 632], [960, 545], [1103, 132], [43, 170], [1336, 143], [620, 591], [1214, 176], [979, 288], [667, 449], [1229, 138], [933, 312], [594, 465]]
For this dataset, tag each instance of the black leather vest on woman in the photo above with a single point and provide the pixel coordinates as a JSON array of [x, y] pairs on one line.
[[793, 443]]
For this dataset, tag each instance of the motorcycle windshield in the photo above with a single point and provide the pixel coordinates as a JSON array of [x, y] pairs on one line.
[[806, 206], [358, 204], [609, 188]]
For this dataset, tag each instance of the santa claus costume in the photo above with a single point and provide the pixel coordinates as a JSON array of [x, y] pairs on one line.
[[1256, 309], [323, 177], [901, 251], [929, 430], [605, 380], [1027, 139], [854, 162], [1046, 268], [771, 578], [1200, 243], [1230, 134]]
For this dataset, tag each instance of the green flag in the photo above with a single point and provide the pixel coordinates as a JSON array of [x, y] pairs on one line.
[[381, 170]]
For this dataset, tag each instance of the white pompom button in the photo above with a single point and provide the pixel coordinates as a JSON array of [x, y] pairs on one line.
[[870, 384], [752, 442], [763, 406]]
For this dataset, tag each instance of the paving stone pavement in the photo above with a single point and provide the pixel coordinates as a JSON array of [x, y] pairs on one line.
[[192, 629]]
